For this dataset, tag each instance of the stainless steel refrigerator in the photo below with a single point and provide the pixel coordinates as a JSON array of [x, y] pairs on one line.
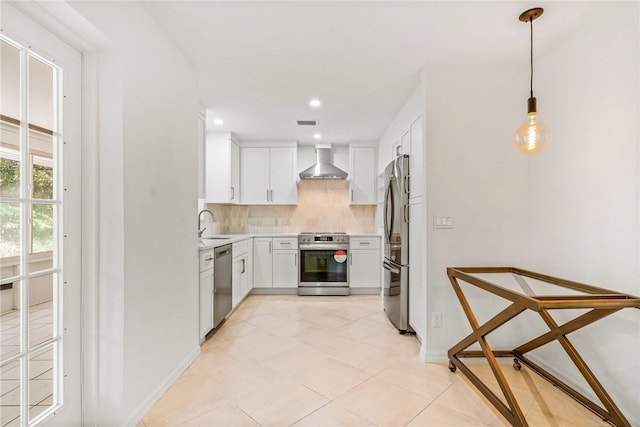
[[396, 243]]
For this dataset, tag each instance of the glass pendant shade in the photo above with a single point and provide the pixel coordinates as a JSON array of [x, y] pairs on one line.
[[532, 135]]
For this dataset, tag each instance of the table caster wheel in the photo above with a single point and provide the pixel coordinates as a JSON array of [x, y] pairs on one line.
[[516, 364], [452, 367]]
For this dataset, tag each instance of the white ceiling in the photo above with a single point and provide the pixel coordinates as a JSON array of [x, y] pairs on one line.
[[259, 63]]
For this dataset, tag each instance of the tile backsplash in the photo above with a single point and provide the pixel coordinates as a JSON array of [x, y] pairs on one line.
[[322, 206]]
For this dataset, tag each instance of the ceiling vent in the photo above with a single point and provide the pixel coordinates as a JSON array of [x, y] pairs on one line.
[[307, 122]]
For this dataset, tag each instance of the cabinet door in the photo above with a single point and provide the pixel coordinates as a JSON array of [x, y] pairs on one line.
[[283, 176], [244, 276], [254, 175], [365, 269], [285, 269], [217, 153], [206, 302], [363, 176], [248, 282], [236, 280], [262, 263], [418, 270], [234, 196], [405, 142], [416, 161]]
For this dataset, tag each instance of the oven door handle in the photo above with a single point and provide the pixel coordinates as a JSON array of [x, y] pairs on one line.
[[390, 267], [323, 247]]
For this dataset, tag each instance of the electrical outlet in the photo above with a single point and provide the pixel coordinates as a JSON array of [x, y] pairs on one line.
[[436, 319]]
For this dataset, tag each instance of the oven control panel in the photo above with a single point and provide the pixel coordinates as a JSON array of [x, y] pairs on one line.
[[323, 238]]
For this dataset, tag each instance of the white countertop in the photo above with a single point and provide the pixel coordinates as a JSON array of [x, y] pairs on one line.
[[226, 239]]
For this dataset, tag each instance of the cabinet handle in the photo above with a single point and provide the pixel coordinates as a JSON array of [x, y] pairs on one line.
[[352, 195], [270, 247], [267, 195], [365, 243], [209, 259], [271, 192], [243, 266], [233, 193]]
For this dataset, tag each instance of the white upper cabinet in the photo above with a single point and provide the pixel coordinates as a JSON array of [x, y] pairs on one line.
[[268, 174], [255, 175], [362, 177], [235, 173], [222, 164], [417, 162]]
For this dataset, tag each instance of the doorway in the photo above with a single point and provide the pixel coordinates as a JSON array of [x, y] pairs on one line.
[[40, 226]]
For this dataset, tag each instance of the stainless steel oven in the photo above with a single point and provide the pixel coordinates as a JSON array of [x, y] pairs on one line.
[[324, 269]]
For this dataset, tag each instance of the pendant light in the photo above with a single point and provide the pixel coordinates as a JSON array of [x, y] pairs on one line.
[[532, 136]]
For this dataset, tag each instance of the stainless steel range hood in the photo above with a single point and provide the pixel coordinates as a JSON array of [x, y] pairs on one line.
[[323, 169]]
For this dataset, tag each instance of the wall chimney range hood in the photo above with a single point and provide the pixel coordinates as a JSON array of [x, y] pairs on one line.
[[323, 169]]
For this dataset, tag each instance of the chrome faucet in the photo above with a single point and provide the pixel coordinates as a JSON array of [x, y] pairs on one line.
[[201, 230]]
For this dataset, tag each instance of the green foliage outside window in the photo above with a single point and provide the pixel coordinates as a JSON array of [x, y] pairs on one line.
[[41, 215], [9, 178]]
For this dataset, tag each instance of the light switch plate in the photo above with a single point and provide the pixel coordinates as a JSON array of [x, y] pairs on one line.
[[443, 221]]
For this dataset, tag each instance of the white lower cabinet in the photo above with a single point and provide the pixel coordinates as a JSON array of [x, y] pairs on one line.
[[285, 268], [364, 262], [275, 262], [241, 280], [206, 293], [262, 262]]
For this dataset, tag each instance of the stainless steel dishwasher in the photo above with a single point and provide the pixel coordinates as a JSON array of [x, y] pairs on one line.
[[222, 271]]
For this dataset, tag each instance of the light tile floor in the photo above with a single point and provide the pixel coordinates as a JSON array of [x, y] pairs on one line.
[[337, 361], [40, 364]]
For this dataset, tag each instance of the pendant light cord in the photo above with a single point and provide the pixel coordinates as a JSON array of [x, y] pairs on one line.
[[531, 56]]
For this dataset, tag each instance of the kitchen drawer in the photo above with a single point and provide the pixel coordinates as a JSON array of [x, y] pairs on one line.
[[206, 260], [364, 243], [285, 243], [241, 247]]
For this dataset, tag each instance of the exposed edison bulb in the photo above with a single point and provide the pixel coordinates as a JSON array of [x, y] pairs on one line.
[[532, 136]]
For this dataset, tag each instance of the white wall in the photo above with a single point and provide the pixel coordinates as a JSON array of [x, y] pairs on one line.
[[474, 174], [154, 306], [584, 190]]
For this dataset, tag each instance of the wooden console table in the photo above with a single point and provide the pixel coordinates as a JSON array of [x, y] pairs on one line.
[[541, 294]]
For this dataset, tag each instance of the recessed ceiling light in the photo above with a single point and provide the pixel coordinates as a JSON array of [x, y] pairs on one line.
[[317, 136], [315, 103], [218, 122]]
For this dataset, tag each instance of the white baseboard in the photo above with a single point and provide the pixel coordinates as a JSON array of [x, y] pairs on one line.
[[274, 291], [434, 356], [146, 406], [364, 291]]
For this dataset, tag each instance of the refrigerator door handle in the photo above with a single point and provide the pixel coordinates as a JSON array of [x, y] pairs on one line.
[[389, 208], [391, 268]]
